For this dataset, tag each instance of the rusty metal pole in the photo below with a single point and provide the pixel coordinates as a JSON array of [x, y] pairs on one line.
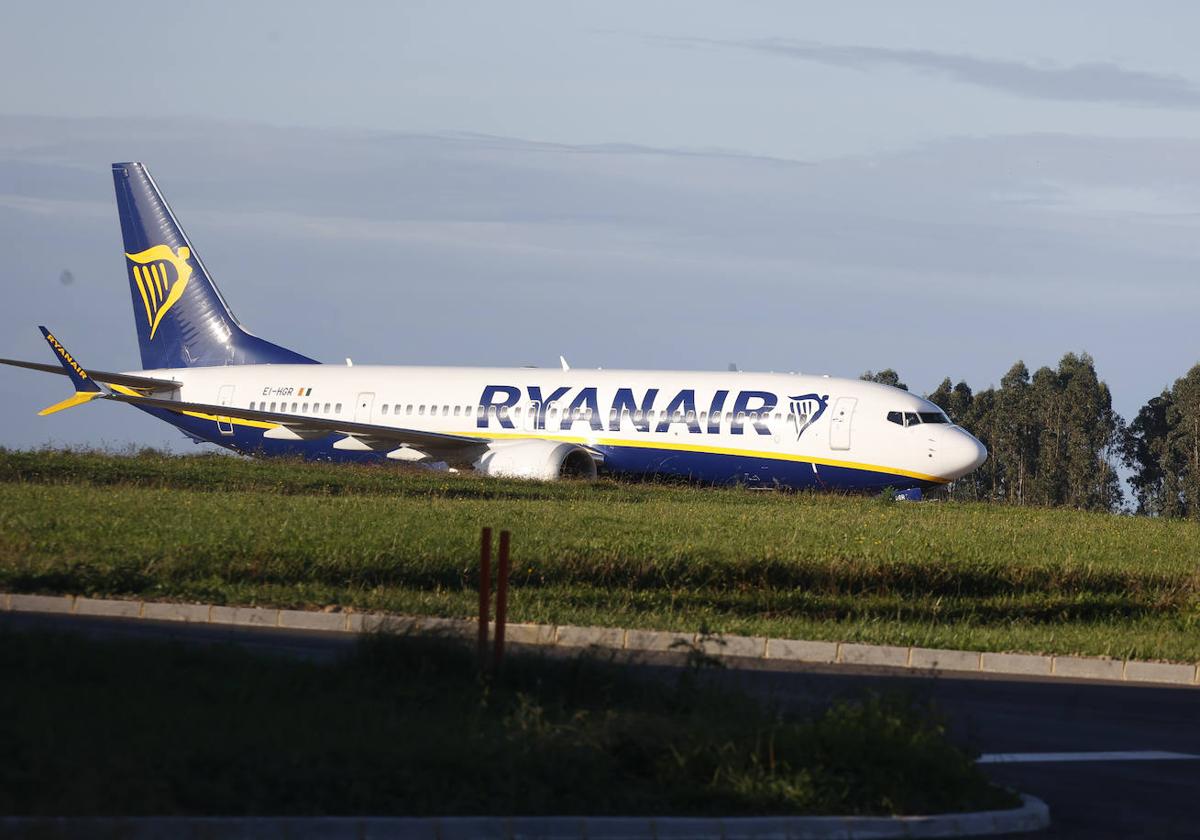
[[485, 595], [501, 599]]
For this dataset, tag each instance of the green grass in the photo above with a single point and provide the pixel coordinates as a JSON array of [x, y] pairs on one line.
[[408, 727], [943, 574]]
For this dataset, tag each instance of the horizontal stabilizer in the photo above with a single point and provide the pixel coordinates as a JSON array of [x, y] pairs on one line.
[[78, 398]]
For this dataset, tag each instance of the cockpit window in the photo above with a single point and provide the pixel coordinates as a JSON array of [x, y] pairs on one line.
[[914, 418]]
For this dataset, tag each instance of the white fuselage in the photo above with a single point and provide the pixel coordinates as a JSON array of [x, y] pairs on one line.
[[774, 428]]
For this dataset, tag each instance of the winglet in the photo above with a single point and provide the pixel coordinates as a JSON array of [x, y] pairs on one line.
[[86, 388]]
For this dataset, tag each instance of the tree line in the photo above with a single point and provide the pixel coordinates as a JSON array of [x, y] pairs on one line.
[[1053, 438]]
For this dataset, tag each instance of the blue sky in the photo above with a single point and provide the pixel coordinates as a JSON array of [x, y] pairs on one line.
[[938, 187]]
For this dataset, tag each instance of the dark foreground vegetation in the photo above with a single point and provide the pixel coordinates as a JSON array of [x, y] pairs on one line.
[[941, 574], [408, 727]]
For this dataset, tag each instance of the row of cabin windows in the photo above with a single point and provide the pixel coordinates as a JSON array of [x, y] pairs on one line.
[[553, 413], [297, 408], [638, 416]]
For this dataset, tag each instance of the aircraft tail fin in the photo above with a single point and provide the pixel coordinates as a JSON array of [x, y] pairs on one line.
[[182, 319]]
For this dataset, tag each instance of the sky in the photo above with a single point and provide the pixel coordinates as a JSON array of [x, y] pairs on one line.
[[941, 188]]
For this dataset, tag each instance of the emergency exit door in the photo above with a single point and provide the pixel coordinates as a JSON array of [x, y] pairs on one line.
[[362, 409]]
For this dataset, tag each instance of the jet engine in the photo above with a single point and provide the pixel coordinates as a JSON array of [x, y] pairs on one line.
[[543, 460]]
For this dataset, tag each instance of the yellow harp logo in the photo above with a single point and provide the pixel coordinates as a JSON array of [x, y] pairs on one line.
[[160, 275]]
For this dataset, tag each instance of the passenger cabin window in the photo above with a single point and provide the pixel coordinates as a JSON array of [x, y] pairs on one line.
[[337, 409]]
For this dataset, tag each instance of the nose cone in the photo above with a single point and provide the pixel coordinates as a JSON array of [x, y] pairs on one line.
[[959, 452]]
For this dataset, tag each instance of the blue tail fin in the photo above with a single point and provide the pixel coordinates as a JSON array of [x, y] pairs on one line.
[[182, 320]]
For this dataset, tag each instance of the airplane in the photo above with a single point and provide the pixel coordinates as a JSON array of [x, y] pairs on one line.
[[206, 374]]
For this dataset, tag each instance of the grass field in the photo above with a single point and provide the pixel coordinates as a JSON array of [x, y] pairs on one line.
[[670, 557], [409, 727]]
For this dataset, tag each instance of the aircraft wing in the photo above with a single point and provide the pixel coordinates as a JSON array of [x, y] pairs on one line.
[[370, 435], [140, 383]]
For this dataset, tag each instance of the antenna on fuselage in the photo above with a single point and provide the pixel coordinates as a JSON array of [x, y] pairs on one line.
[[733, 368], [563, 361]]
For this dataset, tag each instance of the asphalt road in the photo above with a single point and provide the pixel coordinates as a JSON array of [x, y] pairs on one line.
[[992, 713]]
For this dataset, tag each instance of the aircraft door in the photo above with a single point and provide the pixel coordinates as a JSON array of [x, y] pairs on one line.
[[839, 426], [362, 408], [225, 397]]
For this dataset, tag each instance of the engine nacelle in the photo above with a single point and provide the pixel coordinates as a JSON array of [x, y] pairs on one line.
[[543, 460]]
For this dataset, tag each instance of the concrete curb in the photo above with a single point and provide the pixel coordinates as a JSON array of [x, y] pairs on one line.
[[1033, 815], [924, 660]]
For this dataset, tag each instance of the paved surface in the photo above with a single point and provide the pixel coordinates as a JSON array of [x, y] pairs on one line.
[[992, 713]]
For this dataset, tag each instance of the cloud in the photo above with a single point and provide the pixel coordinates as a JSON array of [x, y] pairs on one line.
[[951, 258], [1090, 82]]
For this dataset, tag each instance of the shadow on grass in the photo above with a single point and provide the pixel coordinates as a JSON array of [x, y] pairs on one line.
[[409, 726]]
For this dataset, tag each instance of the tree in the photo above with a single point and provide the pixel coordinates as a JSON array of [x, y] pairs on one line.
[[1051, 438], [1183, 443], [887, 376], [1017, 432], [1145, 452]]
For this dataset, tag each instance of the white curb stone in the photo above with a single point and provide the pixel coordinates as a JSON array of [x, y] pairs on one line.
[[6, 602], [383, 623], [750, 647], [99, 606], [932, 659], [1016, 663], [1088, 668], [609, 637], [309, 620], [892, 657], [453, 627], [658, 640], [527, 634], [41, 603], [197, 613], [1160, 672], [244, 616], [797, 650]]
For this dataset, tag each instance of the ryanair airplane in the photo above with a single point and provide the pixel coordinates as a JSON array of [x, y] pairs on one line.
[[204, 373]]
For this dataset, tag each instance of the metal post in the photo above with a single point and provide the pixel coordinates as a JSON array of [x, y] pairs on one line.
[[485, 595], [501, 599]]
